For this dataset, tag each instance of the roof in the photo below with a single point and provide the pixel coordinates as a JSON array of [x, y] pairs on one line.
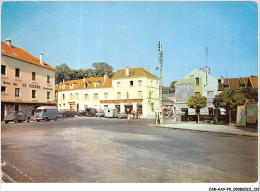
[[254, 81], [18, 53], [236, 83], [80, 84], [134, 72]]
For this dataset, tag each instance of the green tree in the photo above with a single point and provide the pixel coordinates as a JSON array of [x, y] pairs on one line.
[[250, 93], [229, 100], [172, 87], [102, 68], [62, 72], [165, 90], [197, 102]]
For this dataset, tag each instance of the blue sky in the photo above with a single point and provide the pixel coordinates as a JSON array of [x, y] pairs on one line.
[[127, 33]]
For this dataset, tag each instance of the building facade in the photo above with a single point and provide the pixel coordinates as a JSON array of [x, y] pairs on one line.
[[198, 81], [27, 82], [130, 89]]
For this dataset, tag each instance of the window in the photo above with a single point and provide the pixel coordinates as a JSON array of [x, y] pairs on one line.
[[48, 79], [16, 107], [3, 69], [33, 94], [63, 96], [17, 92], [118, 108], [64, 105], [33, 76], [118, 95], [197, 93], [3, 89], [139, 82], [105, 95], [118, 84], [197, 81], [71, 96], [96, 84], [95, 96], [86, 96], [105, 106], [76, 96], [48, 95], [139, 94], [17, 72], [157, 83], [131, 83], [151, 83]]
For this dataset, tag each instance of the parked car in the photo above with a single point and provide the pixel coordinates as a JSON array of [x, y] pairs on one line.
[[62, 111], [46, 113], [16, 116], [75, 112], [68, 114], [91, 112], [100, 114], [121, 115], [82, 113], [110, 112]]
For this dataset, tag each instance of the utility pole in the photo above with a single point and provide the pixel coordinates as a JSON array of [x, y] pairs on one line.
[[160, 52]]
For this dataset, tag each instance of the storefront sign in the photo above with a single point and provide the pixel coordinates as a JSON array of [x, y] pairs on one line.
[[47, 88], [35, 86], [5, 82], [122, 101]]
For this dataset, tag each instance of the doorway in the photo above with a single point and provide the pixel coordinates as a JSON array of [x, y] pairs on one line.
[[128, 109]]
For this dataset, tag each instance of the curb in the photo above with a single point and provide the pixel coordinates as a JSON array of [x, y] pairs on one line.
[[236, 134]]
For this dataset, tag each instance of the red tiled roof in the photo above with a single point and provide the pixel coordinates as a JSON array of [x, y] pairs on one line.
[[254, 81], [233, 83], [134, 72], [79, 84], [18, 53]]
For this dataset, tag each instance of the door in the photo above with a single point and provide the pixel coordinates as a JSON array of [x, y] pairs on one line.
[[128, 109], [2, 111]]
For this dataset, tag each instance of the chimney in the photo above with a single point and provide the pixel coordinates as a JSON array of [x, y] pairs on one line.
[[222, 79], [127, 71], [41, 57], [8, 42], [84, 79], [105, 78]]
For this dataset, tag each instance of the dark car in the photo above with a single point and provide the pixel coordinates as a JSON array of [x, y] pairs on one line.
[[16, 116], [68, 114], [82, 113], [91, 112]]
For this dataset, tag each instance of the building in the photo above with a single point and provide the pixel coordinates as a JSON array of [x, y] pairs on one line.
[[129, 89], [27, 82], [198, 81], [168, 101], [237, 83]]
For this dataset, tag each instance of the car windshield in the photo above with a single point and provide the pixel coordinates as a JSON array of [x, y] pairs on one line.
[[38, 111]]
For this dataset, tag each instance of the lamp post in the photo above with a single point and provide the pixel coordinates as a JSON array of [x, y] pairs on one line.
[[160, 54]]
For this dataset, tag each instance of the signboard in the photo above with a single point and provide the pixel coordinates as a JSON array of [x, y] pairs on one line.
[[122, 101], [241, 116], [252, 111], [183, 91]]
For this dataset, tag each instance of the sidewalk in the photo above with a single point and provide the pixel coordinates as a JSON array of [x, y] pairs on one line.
[[213, 128]]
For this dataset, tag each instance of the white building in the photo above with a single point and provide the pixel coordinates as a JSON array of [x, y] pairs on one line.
[[198, 81], [27, 82], [130, 89]]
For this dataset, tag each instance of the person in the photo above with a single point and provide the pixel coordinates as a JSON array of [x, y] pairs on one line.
[[133, 116]]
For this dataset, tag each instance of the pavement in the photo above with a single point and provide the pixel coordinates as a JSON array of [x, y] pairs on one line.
[[223, 129]]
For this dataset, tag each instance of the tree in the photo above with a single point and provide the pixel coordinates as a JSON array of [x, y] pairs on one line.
[[197, 102], [62, 72], [250, 93], [102, 68], [229, 100]]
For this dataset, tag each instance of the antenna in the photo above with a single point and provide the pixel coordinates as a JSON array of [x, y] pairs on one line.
[[206, 55]]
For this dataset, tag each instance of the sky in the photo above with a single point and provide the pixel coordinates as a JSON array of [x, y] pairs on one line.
[[122, 34]]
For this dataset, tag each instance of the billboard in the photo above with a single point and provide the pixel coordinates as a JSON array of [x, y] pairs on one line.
[[183, 91], [241, 116]]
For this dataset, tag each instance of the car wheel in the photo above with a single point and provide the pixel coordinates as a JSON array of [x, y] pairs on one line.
[[56, 118], [6, 122], [15, 121], [20, 121], [28, 119], [37, 120]]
